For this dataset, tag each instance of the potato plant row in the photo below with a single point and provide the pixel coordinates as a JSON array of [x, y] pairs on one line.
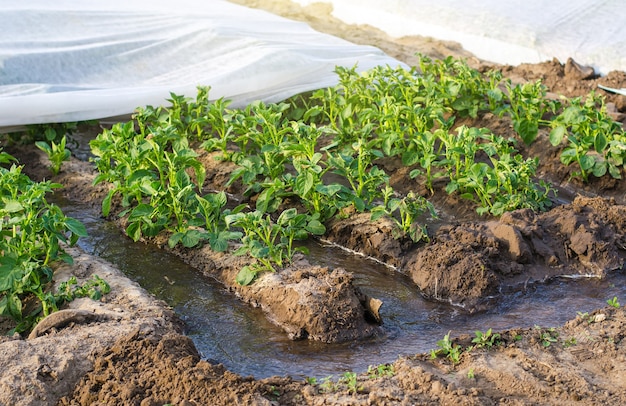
[[287, 152], [33, 233]]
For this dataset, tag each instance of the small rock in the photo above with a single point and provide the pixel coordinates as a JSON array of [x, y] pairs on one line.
[[599, 317]]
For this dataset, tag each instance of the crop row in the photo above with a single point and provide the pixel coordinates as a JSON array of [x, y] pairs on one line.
[[288, 151], [33, 232]]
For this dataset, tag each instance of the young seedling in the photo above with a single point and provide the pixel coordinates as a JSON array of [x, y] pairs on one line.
[[570, 342], [407, 210], [447, 349], [486, 339], [57, 153], [350, 380], [613, 302], [271, 243], [328, 385], [379, 371], [547, 336]]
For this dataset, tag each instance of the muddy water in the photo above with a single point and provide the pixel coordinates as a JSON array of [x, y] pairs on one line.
[[240, 337]]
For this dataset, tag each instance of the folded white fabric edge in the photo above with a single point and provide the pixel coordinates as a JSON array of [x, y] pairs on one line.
[[71, 60]]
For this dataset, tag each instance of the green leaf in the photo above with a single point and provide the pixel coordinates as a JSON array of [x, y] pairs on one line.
[[587, 162], [141, 211], [377, 213], [304, 183], [410, 158], [599, 169], [174, 239], [106, 203], [568, 156], [76, 227], [329, 190], [315, 227], [219, 241], [12, 206], [245, 276], [359, 204], [11, 306], [287, 215], [557, 134], [528, 130], [191, 238], [9, 273], [268, 201], [134, 231], [600, 142], [615, 172], [44, 146]]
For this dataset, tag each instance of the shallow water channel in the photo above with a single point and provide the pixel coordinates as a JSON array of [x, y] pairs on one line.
[[240, 337]]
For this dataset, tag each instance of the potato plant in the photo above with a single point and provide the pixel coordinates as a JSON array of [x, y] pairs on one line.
[[33, 233], [595, 142]]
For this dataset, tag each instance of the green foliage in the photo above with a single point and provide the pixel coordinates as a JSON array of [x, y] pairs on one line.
[[271, 243], [350, 380], [595, 142], [486, 339], [408, 209], [447, 349], [379, 371], [57, 153], [527, 106], [33, 232], [613, 302], [93, 289], [327, 153], [51, 132], [507, 184], [327, 385], [570, 342], [547, 337], [150, 170]]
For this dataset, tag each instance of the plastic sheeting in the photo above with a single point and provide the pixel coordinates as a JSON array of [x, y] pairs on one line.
[[592, 32], [72, 60]]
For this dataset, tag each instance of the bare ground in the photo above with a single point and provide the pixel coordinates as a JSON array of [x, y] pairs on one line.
[[128, 350]]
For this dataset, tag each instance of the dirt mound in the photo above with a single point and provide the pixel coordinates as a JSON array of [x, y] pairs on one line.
[[144, 371], [308, 302], [472, 261], [581, 362]]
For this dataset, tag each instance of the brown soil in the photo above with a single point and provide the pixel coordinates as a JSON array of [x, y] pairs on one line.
[[128, 349]]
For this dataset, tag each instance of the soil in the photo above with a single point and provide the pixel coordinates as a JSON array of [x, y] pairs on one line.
[[128, 348]]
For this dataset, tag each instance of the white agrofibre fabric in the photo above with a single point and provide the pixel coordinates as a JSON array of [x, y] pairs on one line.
[[592, 32], [73, 60]]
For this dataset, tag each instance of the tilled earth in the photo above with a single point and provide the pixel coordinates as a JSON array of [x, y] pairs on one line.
[[128, 349]]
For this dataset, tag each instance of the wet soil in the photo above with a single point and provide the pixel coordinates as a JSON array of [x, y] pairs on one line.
[[128, 349]]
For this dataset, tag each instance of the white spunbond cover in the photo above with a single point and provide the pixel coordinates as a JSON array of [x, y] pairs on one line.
[[73, 60], [592, 32]]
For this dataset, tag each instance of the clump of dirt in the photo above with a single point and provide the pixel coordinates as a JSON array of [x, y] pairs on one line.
[[369, 238], [308, 302]]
